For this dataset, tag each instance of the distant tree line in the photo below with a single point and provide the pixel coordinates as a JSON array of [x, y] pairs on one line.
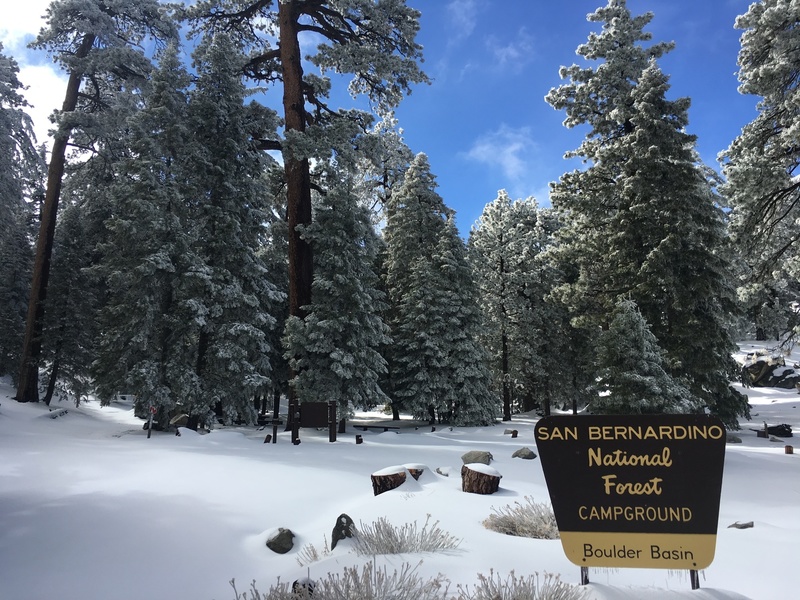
[[210, 253]]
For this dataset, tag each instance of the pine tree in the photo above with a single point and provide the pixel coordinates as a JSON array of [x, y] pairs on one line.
[[71, 329], [469, 398], [382, 57], [335, 350], [147, 348], [229, 202], [438, 368], [507, 250], [99, 46], [642, 221], [631, 370], [415, 221], [761, 164], [19, 162]]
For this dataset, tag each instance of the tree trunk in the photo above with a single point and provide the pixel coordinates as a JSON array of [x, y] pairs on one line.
[[479, 482], [28, 390], [298, 179], [51, 384], [387, 479], [506, 385]]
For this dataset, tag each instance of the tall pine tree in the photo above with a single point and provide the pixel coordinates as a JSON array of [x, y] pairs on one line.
[[19, 162], [642, 221], [437, 368], [335, 350], [762, 165]]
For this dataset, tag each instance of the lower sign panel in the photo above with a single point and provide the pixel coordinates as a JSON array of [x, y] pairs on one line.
[[641, 550]]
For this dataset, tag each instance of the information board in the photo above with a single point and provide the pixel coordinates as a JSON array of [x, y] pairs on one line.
[[634, 491]]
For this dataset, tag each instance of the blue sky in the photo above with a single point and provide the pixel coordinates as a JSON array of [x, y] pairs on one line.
[[483, 121]]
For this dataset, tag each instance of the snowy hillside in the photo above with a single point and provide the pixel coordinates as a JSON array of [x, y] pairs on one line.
[[92, 509]]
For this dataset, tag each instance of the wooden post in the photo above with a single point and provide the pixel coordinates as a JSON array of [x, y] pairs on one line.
[[788, 449], [296, 426], [584, 575], [152, 411], [332, 421], [514, 433], [694, 577], [359, 439], [276, 408]]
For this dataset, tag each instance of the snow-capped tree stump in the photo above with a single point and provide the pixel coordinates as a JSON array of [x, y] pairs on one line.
[[477, 478], [388, 479], [415, 469]]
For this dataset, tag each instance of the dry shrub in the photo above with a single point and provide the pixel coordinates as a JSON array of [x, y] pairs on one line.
[[532, 520]]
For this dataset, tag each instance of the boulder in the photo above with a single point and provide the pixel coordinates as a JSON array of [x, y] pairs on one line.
[[732, 439], [524, 453], [344, 528], [281, 541], [303, 588], [769, 371], [477, 456]]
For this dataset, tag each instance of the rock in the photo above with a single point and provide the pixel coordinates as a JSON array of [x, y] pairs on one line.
[[525, 453], [303, 588], [782, 430], [344, 528], [281, 541], [732, 439], [477, 456], [443, 471], [738, 525]]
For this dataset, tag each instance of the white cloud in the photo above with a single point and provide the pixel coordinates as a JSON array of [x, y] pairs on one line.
[[462, 16], [46, 89], [506, 148], [513, 53], [45, 82], [21, 23], [515, 155]]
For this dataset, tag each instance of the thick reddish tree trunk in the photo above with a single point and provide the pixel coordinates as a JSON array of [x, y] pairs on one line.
[[28, 386], [298, 179]]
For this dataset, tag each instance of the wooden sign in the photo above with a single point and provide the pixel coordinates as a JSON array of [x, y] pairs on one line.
[[634, 491]]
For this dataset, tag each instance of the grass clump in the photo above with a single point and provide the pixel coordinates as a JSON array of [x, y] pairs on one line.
[[366, 583], [381, 537], [372, 583], [531, 519], [533, 587]]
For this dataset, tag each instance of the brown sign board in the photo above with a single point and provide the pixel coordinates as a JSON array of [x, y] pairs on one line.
[[634, 490]]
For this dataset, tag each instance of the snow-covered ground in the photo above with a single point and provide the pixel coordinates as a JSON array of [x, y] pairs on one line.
[[92, 509]]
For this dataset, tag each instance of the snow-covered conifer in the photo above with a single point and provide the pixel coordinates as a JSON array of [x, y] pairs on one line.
[[18, 167], [761, 165], [335, 350], [631, 371], [228, 199], [642, 221]]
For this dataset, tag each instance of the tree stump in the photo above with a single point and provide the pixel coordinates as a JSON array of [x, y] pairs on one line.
[[477, 478], [388, 479], [415, 469]]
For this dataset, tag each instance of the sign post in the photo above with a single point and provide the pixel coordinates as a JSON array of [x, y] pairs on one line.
[[634, 490]]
